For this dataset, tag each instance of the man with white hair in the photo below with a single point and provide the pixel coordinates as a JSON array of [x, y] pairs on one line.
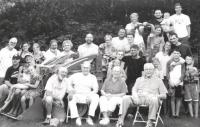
[[55, 91], [6, 55], [83, 88], [148, 90]]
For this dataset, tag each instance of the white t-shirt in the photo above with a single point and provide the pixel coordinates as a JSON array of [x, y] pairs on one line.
[[83, 84], [179, 23], [163, 61], [57, 88], [88, 49], [121, 45], [6, 60], [48, 55]]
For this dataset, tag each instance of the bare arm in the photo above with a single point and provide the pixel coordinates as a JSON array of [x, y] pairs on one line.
[[188, 30]]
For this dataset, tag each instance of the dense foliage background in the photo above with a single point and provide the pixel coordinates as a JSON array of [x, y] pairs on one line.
[[42, 20]]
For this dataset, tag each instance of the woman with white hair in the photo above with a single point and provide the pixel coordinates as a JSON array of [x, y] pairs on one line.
[[113, 89], [67, 52]]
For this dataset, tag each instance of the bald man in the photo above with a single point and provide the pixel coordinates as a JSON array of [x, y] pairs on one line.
[[55, 91], [6, 55], [148, 90], [83, 88]]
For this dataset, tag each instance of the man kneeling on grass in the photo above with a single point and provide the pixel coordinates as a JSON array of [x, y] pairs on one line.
[[55, 91], [148, 90]]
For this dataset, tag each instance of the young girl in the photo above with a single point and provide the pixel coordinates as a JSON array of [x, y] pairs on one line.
[[155, 40], [117, 62], [157, 68], [191, 94]]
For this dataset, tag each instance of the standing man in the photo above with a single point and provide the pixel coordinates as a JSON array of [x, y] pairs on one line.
[[55, 91], [133, 66], [157, 18], [121, 42], [181, 24], [176, 44], [83, 88], [6, 55], [88, 48]]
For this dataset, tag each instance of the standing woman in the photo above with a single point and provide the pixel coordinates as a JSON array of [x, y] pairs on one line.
[[38, 55], [155, 40], [24, 51], [163, 56]]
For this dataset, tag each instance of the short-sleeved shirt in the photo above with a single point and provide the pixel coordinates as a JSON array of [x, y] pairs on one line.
[[88, 49], [180, 23], [83, 83], [116, 87], [57, 88], [152, 86], [120, 45], [134, 67], [48, 55], [12, 74]]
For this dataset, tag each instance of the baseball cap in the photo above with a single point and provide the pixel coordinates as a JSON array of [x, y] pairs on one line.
[[16, 56]]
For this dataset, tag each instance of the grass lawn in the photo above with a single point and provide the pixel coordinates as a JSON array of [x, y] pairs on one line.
[[184, 121]]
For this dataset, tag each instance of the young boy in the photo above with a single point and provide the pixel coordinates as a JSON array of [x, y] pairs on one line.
[[191, 87], [175, 73]]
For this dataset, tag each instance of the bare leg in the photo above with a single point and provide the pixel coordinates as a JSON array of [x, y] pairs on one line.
[[23, 103], [173, 106], [190, 107], [196, 109], [31, 100], [178, 104]]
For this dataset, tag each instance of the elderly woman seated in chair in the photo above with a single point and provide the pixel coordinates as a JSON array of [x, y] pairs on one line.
[[114, 88], [148, 90]]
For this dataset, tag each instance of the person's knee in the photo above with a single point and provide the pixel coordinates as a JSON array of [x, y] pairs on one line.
[[48, 99], [17, 91], [95, 97], [23, 99]]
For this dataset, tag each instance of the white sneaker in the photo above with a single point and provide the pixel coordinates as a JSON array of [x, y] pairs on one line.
[[104, 121], [90, 121], [78, 121]]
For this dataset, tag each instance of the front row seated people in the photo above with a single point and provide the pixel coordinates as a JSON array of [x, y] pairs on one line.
[[83, 88], [148, 90], [113, 89]]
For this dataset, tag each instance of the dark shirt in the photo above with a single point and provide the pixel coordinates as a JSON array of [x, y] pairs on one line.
[[12, 75], [134, 68], [155, 22], [184, 50]]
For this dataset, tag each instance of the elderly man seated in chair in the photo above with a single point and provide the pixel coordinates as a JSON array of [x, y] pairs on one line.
[[84, 88], [148, 90]]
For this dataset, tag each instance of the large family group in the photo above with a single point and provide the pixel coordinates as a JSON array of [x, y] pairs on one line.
[[145, 64]]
